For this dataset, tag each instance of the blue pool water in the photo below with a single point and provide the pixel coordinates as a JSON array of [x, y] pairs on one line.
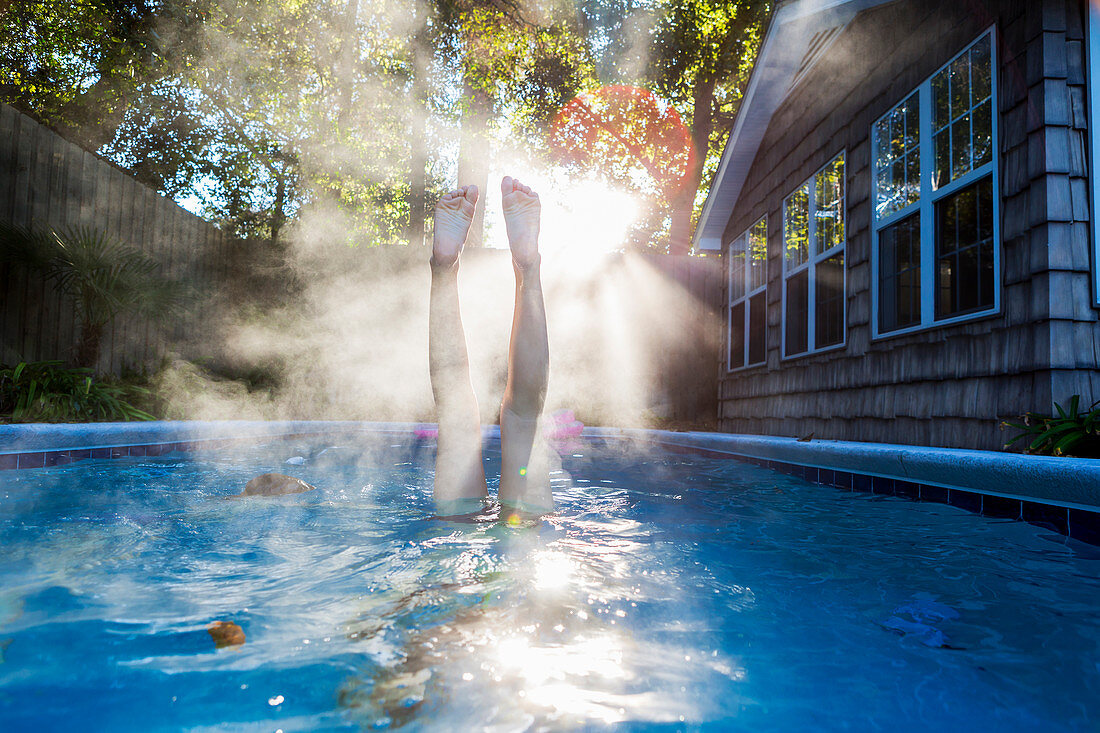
[[669, 592]]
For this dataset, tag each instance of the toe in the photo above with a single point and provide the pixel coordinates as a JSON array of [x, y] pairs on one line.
[[506, 184], [471, 193]]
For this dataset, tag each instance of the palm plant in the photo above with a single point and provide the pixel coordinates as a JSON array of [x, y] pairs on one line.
[[105, 278], [1072, 432]]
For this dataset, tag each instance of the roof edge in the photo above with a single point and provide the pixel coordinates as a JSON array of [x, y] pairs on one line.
[[792, 25]]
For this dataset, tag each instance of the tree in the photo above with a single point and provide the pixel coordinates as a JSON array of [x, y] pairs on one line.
[[79, 66], [518, 63], [702, 54], [247, 108], [252, 110]]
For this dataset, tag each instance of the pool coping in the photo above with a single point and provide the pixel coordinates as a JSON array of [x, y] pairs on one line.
[[1060, 493]]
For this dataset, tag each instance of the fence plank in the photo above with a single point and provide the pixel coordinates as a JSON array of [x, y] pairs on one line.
[[148, 244], [48, 212], [101, 221], [136, 203], [8, 306], [25, 153], [70, 206], [7, 160]]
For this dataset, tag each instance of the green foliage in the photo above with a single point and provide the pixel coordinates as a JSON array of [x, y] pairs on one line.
[[45, 391], [1070, 432], [252, 110], [79, 65]]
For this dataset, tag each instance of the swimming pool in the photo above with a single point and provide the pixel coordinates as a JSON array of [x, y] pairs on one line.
[[669, 591]]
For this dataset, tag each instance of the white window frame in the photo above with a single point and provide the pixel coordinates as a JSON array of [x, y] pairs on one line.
[[811, 263], [747, 293], [1093, 72], [926, 204]]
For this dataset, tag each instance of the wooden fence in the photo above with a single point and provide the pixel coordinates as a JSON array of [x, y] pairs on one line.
[[648, 322], [47, 181]]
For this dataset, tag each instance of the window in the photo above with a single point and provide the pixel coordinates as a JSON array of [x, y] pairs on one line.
[[748, 297], [813, 263], [934, 253]]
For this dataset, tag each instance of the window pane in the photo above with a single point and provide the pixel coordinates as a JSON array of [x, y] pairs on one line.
[[942, 144], [961, 94], [941, 102], [899, 274], [985, 204], [758, 254], [829, 206], [980, 70], [737, 336], [897, 132], [912, 177], [912, 121], [897, 158], [982, 125], [829, 302], [737, 268], [960, 85], [964, 250], [881, 141], [757, 328], [796, 220], [886, 194], [797, 313], [960, 147]]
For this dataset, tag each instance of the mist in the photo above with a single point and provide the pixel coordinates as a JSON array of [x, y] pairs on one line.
[[348, 336]]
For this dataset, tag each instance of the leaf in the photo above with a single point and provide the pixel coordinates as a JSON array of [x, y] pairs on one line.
[[1067, 442]]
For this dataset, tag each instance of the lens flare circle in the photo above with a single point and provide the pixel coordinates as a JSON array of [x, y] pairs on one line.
[[627, 134]]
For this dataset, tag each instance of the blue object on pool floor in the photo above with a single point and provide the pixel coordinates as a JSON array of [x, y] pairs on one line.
[[668, 591]]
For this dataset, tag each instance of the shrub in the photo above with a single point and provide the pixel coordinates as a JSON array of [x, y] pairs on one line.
[[1068, 433], [45, 391]]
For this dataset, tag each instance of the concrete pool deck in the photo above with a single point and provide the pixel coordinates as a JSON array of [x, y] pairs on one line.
[[1056, 492]]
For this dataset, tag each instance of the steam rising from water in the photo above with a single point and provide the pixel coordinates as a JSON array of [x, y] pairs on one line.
[[353, 344], [344, 328]]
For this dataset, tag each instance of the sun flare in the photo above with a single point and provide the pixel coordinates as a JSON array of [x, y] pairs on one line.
[[581, 220]]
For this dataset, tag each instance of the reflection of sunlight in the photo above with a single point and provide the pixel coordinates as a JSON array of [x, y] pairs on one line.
[[548, 672], [552, 571]]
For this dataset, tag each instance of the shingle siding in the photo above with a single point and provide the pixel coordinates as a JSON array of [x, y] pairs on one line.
[[949, 386]]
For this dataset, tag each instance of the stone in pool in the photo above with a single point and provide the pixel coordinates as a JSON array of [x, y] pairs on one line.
[[275, 484]]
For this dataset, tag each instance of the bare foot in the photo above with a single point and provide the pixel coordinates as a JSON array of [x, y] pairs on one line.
[[453, 215], [522, 209]]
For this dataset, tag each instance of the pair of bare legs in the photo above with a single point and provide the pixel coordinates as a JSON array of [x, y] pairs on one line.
[[459, 472]]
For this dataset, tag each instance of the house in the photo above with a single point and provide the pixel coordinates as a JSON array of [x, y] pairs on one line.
[[903, 205]]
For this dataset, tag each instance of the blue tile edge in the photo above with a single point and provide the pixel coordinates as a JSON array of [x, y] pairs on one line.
[[1081, 522], [1070, 482]]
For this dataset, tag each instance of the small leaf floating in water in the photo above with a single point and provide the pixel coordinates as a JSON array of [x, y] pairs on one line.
[[225, 633]]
